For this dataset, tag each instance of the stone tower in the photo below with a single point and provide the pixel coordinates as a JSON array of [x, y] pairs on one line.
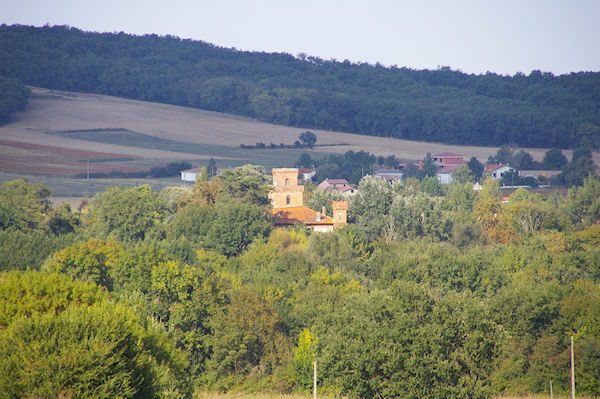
[[340, 213], [286, 191]]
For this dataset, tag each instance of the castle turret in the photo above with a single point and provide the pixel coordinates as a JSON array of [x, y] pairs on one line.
[[340, 213], [286, 191]]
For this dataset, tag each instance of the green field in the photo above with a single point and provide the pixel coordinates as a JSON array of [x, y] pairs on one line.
[[234, 155]]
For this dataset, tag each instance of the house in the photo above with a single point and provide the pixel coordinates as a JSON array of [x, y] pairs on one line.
[[389, 174], [287, 198], [331, 184], [341, 185], [306, 174], [497, 171], [448, 158], [348, 190], [190, 174], [444, 173]]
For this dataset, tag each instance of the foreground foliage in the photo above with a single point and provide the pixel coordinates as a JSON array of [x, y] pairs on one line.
[[432, 291]]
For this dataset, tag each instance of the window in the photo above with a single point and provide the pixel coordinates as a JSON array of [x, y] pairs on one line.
[[287, 182], [288, 200]]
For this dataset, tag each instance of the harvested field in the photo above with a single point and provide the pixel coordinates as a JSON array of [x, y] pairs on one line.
[[59, 131]]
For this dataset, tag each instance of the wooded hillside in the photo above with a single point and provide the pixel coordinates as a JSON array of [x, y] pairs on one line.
[[536, 110]]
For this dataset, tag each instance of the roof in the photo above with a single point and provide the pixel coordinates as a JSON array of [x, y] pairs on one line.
[[493, 167], [337, 181], [447, 155], [388, 171], [194, 170], [449, 168], [299, 214]]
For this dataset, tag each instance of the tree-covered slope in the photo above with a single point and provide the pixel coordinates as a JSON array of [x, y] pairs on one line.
[[13, 97], [540, 110]]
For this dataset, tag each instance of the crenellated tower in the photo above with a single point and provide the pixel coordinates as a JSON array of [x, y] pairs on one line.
[[340, 213], [286, 191]]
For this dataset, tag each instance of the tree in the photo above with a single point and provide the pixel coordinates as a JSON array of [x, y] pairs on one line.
[[462, 175], [476, 167], [429, 167], [248, 334], [103, 350], [246, 184], [23, 294], [308, 138], [63, 220], [64, 338], [581, 165], [89, 261], [411, 342], [521, 160], [129, 214], [368, 208], [14, 96], [431, 185], [205, 192], [504, 155], [554, 159], [305, 161], [25, 205], [584, 202], [235, 226], [211, 168], [487, 207], [529, 216], [300, 368], [417, 215]]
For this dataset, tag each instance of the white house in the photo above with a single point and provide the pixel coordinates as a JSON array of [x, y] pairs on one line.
[[444, 173], [306, 174], [190, 174], [497, 171]]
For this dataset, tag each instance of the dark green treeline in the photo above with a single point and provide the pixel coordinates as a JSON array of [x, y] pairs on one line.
[[443, 105]]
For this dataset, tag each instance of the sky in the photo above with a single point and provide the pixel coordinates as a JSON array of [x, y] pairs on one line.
[[474, 36]]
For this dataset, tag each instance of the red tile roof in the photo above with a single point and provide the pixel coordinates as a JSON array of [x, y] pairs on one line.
[[448, 168], [447, 155], [338, 181], [493, 167], [298, 214]]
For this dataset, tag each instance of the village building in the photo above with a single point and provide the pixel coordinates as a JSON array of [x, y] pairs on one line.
[[389, 174], [190, 174], [287, 198], [496, 172], [330, 184], [341, 185], [448, 158], [444, 173], [305, 174]]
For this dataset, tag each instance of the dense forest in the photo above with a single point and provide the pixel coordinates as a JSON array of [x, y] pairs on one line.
[[13, 97], [431, 291], [443, 105]]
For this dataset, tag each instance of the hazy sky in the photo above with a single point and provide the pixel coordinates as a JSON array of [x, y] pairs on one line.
[[475, 36]]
